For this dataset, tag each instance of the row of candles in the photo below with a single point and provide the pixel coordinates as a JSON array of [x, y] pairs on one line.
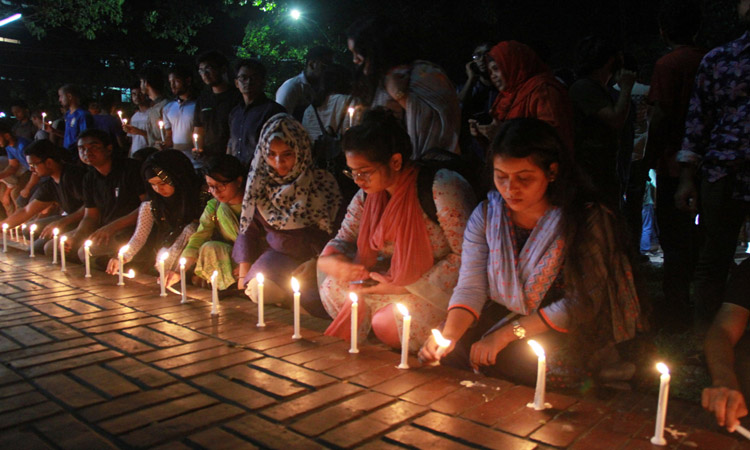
[[539, 395]]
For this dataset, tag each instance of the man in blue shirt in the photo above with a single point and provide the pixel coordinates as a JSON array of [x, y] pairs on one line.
[[15, 174], [77, 119]]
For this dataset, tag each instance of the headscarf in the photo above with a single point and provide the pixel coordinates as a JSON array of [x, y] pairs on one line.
[[523, 72], [305, 197]]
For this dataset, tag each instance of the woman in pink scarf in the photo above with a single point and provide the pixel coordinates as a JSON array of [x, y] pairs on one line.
[[387, 240]]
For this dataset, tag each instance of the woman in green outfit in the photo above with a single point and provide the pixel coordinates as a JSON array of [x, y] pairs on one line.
[[210, 248]]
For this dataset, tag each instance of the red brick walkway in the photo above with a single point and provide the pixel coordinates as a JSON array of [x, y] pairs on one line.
[[87, 364]]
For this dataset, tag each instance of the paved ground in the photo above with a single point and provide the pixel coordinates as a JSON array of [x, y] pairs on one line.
[[87, 364]]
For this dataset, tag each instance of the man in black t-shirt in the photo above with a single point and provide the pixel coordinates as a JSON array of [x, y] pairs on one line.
[[112, 192], [727, 349], [59, 191]]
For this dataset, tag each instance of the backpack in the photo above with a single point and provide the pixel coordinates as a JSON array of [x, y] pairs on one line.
[[327, 155]]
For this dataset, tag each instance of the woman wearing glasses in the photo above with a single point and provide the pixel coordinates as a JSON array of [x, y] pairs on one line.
[[210, 247], [289, 212], [388, 250]]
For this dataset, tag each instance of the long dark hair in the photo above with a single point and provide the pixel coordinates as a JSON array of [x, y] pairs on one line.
[[185, 205], [590, 315]]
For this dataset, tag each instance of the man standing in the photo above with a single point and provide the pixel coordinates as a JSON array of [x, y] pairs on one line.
[[247, 118], [23, 127], [178, 114], [136, 129], [717, 139], [77, 119], [295, 94], [211, 121], [152, 84]]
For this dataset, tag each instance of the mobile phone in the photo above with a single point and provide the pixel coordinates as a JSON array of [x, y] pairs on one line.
[[366, 283]]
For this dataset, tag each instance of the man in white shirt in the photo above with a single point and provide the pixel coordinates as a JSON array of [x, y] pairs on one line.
[[136, 128], [178, 114], [295, 94]]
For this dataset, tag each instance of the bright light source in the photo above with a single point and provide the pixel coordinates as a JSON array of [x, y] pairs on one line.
[[10, 19], [662, 368], [295, 14]]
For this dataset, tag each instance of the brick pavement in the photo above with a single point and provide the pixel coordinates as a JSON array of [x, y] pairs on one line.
[[87, 364]]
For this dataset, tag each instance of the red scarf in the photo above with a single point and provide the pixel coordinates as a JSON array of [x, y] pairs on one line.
[[521, 68]]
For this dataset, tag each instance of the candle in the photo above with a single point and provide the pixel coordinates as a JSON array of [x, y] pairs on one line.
[[16, 230], [214, 294], [195, 141], [5, 239], [120, 257], [119, 114], [130, 274], [124, 121], [55, 233], [162, 279], [351, 116], [32, 229], [87, 253], [23, 234], [161, 130], [541, 378], [661, 411], [44, 118], [404, 336], [62, 252], [260, 279], [355, 325], [183, 261], [743, 431], [295, 288]]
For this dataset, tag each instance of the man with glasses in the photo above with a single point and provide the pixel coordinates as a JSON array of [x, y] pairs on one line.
[[211, 121], [248, 117], [59, 192], [112, 192], [478, 93]]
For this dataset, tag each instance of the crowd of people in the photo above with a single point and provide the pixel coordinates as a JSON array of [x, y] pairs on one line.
[[371, 181]]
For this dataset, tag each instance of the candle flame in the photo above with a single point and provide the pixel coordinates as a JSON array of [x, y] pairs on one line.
[[55, 231], [183, 261], [353, 297], [163, 256], [213, 276], [260, 278], [63, 238], [351, 110], [5, 226], [32, 227], [161, 124], [402, 309], [23, 226], [662, 368], [538, 349], [195, 136], [124, 249], [295, 285], [441, 341], [88, 244], [130, 274], [125, 121]]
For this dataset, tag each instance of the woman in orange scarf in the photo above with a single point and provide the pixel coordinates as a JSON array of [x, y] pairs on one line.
[[528, 89], [388, 250]]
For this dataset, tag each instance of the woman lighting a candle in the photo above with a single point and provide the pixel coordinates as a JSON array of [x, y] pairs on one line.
[[547, 255]]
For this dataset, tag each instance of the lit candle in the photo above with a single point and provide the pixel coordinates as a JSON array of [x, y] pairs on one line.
[[161, 130], [541, 378], [351, 116], [355, 325], [183, 261], [5, 239], [295, 288], [661, 411], [162, 279], [442, 343], [130, 274], [124, 121], [119, 114], [23, 234], [87, 253], [44, 118], [260, 279], [404, 336], [214, 294], [62, 252], [32, 229], [120, 257], [55, 233], [195, 141]]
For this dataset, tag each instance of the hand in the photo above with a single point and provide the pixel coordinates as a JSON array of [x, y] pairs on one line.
[[171, 277], [101, 236], [306, 270], [686, 196], [113, 266], [127, 128], [383, 287], [626, 80], [341, 268], [47, 231], [471, 72], [25, 192], [484, 352], [429, 351], [490, 130], [728, 405], [241, 283]]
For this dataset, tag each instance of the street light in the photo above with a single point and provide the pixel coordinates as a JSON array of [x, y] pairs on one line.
[[295, 14], [10, 19]]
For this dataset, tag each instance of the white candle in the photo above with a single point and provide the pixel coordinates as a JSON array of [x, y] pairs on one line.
[[124, 121], [120, 258], [119, 114], [5, 238], [183, 261], [260, 295], [23, 234], [62, 252], [44, 118], [404, 336], [295, 288], [541, 378], [351, 116], [87, 253], [55, 233], [161, 130], [16, 230], [743, 431], [214, 294], [32, 229], [162, 279], [195, 141], [442, 343], [355, 325], [129, 274], [661, 411]]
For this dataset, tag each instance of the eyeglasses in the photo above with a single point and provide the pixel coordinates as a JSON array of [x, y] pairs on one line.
[[218, 187], [478, 56], [357, 175], [36, 163]]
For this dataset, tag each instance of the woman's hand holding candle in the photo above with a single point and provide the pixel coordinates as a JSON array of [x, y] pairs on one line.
[[113, 266]]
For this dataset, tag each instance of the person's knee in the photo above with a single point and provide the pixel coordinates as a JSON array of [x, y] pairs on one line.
[[385, 327]]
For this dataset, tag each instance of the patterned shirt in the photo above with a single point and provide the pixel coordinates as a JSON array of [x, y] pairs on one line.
[[717, 127]]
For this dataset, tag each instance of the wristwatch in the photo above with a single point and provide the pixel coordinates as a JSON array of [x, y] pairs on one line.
[[518, 330]]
